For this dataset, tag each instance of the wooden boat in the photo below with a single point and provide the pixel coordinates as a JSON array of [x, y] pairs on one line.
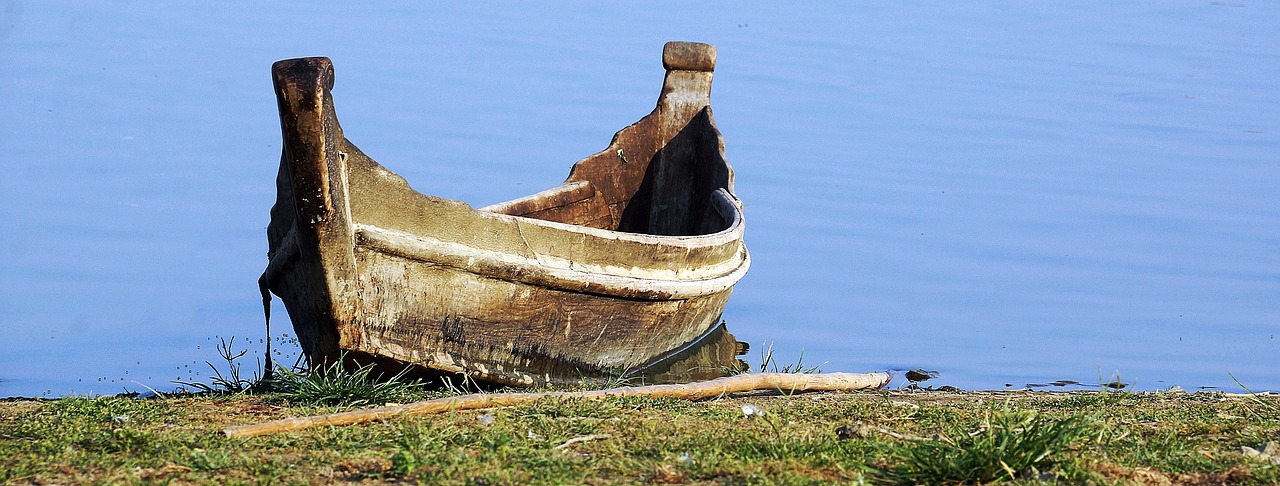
[[618, 271]]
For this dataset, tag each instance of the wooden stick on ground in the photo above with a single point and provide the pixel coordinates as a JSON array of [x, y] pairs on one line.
[[691, 391]]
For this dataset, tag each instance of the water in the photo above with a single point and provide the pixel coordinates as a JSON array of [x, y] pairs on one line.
[[1009, 193]]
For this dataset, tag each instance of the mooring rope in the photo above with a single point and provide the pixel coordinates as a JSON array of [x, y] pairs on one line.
[[266, 313]]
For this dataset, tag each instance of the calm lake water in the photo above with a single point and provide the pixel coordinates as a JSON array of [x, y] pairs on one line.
[[1010, 194]]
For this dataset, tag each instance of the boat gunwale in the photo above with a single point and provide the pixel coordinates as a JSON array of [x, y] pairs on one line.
[[653, 279], [721, 196], [531, 271]]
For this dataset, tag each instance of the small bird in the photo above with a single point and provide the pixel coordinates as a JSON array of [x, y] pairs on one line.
[[919, 375]]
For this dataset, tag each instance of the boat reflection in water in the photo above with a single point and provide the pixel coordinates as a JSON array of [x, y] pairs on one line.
[[714, 355]]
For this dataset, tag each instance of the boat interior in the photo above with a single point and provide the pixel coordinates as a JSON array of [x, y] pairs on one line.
[[669, 190]]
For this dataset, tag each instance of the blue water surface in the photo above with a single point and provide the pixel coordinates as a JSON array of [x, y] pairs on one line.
[[1010, 193]]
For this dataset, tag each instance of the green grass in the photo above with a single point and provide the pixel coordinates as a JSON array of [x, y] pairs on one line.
[[234, 381], [889, 437], [1005, 446], [334, 384], [878, 437], [770, 364], [338, 385]]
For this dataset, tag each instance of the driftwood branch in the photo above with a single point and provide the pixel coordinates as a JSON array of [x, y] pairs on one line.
[[785, 382]]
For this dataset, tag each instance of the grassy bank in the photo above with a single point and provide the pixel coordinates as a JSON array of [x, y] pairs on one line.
[[876, 437]]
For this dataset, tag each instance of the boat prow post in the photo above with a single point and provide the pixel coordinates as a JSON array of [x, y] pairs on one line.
[[315, 164], [687, 87]]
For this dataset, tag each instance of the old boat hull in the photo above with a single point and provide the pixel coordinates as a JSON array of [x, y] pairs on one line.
[[626, 264]]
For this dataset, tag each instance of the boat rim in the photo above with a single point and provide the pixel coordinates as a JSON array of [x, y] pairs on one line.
[[723, 201]]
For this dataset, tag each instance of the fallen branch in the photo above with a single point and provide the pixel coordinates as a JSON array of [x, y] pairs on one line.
[[785, 382]]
